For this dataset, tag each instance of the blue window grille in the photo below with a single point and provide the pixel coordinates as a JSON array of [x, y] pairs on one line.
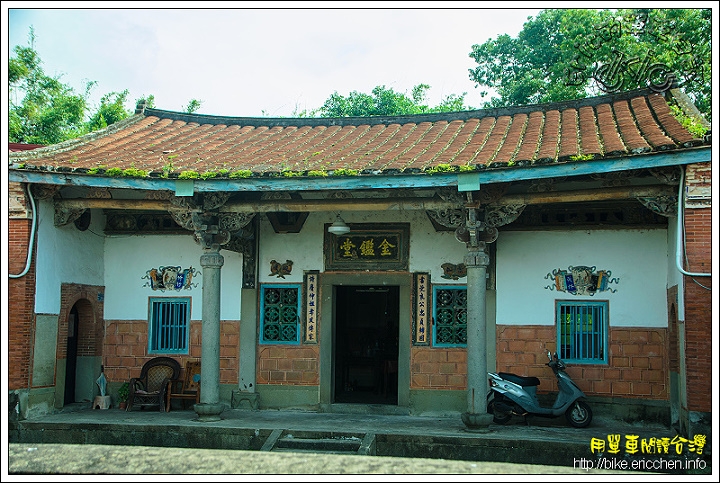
[[169, 325], [450, 316], [280, 314], [582, 331]]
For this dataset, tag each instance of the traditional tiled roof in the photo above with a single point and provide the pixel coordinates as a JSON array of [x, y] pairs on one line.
[[165, 143]]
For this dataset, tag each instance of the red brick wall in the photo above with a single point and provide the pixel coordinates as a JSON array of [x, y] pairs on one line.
[[288, 365], [91, 324], [637, 359], [126, 346], [438, 368], [698, 310], [21, 304], [698, 300]]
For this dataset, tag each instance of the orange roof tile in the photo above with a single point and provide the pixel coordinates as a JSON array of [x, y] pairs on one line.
[[155, 140]]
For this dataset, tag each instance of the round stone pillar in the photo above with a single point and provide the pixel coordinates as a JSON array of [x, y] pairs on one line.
[[209, 408], [476, 416]]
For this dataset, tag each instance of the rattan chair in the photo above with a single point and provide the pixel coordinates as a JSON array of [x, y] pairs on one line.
[[187, 388], [153, 384]]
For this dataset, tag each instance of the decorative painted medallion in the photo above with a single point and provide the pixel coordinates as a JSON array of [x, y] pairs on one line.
[[170, 278], [581, 280]]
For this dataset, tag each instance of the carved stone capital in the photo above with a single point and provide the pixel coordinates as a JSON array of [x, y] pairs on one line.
[[211, 260], [477, 257]]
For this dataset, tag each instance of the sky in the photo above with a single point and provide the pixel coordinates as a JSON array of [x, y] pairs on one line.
[[263, 58]]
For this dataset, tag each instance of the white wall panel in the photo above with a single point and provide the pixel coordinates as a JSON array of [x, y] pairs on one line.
[[637, 258]]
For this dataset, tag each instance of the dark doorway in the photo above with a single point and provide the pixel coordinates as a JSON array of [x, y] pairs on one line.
[[71, 361], [366, 344]]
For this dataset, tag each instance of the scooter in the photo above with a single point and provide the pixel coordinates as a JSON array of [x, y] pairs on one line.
[[511, 394]]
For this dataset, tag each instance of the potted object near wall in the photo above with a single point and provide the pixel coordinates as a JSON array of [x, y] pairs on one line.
[[123, 394]]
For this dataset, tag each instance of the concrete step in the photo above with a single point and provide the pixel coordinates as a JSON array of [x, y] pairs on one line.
[[318, 445], [320, 442]]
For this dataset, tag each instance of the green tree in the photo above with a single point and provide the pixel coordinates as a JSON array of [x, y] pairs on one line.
[[567, 54], [42, 109], [111, 110], [386, 102]]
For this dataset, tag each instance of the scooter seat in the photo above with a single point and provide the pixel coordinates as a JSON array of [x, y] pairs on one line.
[[521, 380]]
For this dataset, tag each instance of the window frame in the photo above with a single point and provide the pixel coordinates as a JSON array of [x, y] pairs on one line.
[[435, 289], [602, 332], [153, 327], [261, 317]]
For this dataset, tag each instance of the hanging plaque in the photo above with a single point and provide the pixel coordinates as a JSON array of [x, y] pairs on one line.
[[368, 247]]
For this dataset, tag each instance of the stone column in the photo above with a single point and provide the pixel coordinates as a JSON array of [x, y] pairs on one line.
[[475, 234], [476, 416], [209, 408]]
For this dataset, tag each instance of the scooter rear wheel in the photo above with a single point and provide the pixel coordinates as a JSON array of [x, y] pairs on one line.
[[499, 417], [579, 414]]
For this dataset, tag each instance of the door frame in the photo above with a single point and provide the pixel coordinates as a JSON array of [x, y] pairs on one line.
[[327, 283]]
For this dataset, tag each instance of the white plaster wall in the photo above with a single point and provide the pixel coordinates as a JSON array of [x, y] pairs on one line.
[[638, 258], [428, 249], [128, 258], [65, 255]]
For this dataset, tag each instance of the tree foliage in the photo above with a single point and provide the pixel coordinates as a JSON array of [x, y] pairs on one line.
[[386, 102], [49, 112], [44, 110], [567, 54]]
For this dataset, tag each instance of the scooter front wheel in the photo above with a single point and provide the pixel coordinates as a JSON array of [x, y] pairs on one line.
[[579, 414], [499, 417]]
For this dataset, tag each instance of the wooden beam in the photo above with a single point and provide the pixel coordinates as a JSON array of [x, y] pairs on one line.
[[378, 204], [600, 194]]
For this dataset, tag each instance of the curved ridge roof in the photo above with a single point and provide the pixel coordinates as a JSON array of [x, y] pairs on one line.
[[167, 143]]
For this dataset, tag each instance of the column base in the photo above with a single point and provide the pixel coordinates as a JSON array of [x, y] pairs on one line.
[[208, 412], [251, 398], [479, 422]]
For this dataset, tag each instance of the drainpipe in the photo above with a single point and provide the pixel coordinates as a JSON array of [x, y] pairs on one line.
[[32, 236], [680, 235]]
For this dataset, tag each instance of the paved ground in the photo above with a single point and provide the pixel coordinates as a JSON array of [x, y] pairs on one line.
[[27, 458]]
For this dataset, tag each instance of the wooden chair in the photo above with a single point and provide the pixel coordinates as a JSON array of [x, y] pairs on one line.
[[188, 387], [153, 384]]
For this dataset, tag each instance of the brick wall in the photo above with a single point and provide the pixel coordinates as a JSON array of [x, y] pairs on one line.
[[126, 349], [438, 368], [637, 368], [21, 304], [88, 301], [698, 310], [291, 365], [698, 298]]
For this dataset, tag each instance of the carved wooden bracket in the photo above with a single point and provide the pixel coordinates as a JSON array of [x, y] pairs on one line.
[[662, 205]]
